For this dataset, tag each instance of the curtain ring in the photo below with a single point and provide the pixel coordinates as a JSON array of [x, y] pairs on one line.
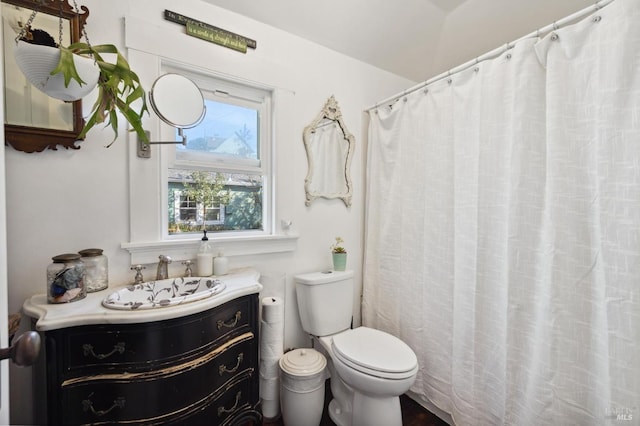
[[597, 5], [555, 27]]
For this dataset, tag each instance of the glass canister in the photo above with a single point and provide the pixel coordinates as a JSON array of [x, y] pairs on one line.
[[96, 267], [65, 279]]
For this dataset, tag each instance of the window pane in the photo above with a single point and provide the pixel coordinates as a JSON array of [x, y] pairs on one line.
[[213, 214], [226, 129], [187, 209], [214, 201]]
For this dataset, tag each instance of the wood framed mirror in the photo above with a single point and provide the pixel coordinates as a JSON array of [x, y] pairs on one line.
[[34, 121]]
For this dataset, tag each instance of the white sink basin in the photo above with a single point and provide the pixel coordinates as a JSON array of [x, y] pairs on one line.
[[163, 293]]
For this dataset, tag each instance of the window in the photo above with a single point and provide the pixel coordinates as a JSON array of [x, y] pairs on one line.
[[220, 181], [188, 213], [152, 204]]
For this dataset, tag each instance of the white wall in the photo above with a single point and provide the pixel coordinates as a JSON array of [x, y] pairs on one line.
[[66, 200], [477, 26]]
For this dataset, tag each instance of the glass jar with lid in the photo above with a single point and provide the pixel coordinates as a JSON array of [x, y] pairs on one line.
[[65, 279], [96, 269]]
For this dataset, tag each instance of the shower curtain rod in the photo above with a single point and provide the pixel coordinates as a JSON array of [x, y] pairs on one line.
[[495, 52]]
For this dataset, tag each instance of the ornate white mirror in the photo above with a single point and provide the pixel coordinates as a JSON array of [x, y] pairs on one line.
[[178, 102], [329, 147]]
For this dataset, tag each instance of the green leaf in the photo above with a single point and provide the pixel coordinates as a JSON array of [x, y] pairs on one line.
[[118, 88], [67, 67]]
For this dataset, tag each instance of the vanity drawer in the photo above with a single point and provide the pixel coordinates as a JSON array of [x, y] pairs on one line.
[[237, 359], [237, 398], [164, 394], [126, 347]]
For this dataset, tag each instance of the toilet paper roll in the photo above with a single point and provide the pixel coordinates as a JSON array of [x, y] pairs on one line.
[[272, 332], [272, 309], [269, 369], [270, 408], [271, 350], [274, 283], [271, 345], [269, 388]]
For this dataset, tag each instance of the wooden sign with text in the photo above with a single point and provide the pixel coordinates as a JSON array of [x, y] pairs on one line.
[[210, 33]]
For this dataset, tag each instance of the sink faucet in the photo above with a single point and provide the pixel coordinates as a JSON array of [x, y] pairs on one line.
[[138, 279], [163, 267], [188, 272]]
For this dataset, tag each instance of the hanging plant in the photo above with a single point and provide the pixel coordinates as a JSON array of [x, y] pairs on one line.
[[118, 86], [38, 60]]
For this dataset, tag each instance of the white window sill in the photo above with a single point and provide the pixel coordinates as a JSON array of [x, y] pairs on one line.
[[148, 252]]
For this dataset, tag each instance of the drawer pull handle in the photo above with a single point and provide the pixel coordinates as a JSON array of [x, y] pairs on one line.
[[222, 410], [223, 368], [88, 350], [232, 323], [87, 405]]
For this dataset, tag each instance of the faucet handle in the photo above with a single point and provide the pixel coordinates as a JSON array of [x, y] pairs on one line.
[[138, 268], [188, 272]]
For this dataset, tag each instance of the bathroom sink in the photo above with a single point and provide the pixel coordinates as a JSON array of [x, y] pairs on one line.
[[163, 293]]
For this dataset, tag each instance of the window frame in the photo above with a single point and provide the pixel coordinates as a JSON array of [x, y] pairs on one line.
[[144, 243], [243, 94]]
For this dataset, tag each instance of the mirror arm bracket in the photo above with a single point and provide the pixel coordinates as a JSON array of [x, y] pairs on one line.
[[144, 148]]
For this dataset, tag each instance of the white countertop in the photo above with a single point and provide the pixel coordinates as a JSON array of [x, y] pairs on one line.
[[239, 282]]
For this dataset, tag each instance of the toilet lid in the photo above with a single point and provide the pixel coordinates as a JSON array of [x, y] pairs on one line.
[[372, 351]]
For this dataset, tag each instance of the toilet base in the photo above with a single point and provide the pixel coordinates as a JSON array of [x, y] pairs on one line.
[[367, 411], [374, 411], [339, 417]]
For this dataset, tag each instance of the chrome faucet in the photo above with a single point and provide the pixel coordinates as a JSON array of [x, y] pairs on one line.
[[163, 267], [138, 279], [188, 272]]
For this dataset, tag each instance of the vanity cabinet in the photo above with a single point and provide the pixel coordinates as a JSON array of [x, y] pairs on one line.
[[199, 369]]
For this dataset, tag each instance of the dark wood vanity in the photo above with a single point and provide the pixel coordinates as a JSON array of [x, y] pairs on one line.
[[197, 369]]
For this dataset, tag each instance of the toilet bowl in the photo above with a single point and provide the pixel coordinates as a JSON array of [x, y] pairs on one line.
[[369, 368], [374, 361]]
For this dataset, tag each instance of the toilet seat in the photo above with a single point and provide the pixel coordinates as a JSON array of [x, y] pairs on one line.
[[375, 353]]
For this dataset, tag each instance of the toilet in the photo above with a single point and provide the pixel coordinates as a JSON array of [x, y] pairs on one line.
[[369, 368]]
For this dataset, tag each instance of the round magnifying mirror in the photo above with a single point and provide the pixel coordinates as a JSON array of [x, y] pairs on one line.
[[177, 100]]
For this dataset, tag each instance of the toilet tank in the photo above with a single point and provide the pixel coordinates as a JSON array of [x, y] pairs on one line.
[[325, 301]]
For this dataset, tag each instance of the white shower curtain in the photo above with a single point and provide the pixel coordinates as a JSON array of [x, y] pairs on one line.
[[503, 230]]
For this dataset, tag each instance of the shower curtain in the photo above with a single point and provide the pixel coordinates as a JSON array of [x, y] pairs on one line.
[[502, 234]]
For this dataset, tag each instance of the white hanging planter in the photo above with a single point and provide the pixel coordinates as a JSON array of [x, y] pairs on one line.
[[36, 62]]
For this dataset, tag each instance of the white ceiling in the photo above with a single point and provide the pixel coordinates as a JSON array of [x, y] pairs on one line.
[[417, 39]]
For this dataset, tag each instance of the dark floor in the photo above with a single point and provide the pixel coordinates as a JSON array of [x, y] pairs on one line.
[[413, 414]]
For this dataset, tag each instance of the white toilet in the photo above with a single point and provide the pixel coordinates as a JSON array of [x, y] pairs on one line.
[[369, 368]]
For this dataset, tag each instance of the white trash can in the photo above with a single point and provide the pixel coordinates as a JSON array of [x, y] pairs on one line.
[[302, 377]]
